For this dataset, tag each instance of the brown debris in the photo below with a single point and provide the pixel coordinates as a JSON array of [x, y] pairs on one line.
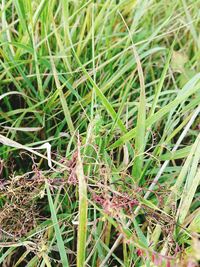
[[18, 215]]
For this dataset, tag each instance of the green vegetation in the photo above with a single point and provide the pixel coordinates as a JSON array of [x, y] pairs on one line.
[[99, 133]]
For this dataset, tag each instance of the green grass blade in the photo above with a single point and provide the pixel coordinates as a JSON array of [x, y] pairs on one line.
[[62, 97], [191, 184], [190, 88], [100, 94], [160, 84], [83, 206], [141, 116], [60, 242]]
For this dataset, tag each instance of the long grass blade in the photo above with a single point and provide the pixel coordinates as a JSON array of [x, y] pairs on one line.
[[83, 206], [60, 242]]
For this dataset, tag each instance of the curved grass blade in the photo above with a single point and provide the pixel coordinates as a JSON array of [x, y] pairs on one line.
[[190, 88]]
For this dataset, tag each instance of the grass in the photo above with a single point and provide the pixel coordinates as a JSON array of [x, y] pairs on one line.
[[99, 133]]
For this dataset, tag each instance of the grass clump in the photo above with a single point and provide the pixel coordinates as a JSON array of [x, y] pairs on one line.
[[99, 133]]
